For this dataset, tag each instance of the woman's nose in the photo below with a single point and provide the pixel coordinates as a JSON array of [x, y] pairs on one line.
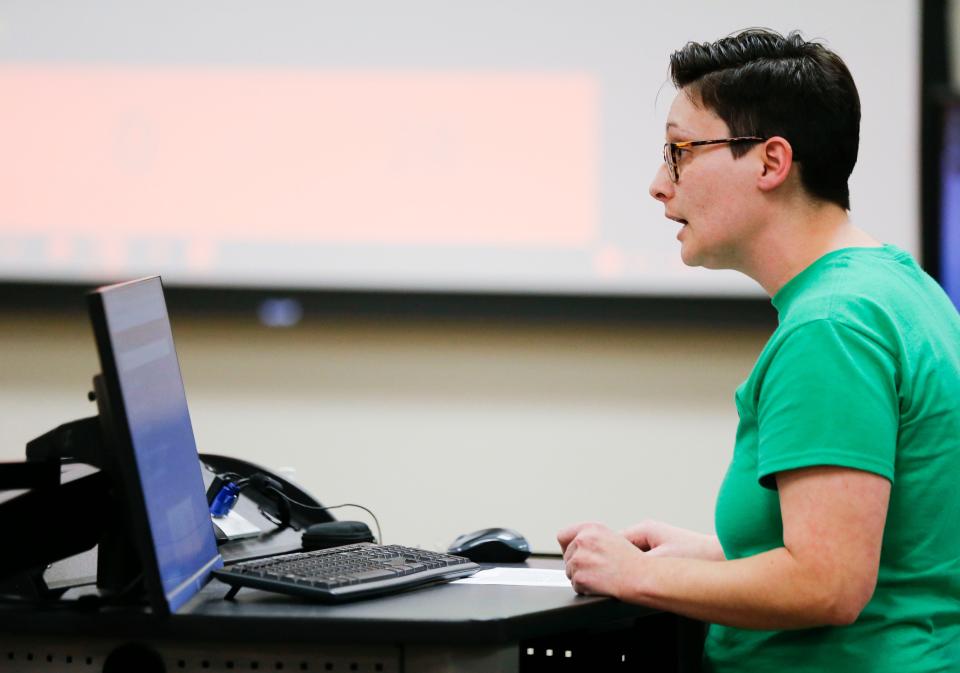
[[662, 187]]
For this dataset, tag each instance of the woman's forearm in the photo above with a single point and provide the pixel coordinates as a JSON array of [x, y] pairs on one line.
[[712, 550], [767, 591]]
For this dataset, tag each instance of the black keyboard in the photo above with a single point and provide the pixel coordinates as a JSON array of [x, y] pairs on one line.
[[344, 573]]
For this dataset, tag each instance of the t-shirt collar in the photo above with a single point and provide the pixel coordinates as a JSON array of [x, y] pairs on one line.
[[795, 286]]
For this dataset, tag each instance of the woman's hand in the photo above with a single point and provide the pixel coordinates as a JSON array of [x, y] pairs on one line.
[[660, 539], [598, 560]]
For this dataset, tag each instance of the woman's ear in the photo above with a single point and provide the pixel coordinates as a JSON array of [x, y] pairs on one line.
[[777, 157]]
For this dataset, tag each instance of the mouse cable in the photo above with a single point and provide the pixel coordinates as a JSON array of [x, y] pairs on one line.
[[346, 504]]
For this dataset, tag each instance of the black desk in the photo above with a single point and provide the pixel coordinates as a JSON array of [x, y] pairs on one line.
[[472, 628]]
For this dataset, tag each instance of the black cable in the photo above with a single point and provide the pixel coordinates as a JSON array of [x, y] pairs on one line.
[[346, 504]]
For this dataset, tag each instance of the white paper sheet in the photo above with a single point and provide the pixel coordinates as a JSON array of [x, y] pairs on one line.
[[235, 527], [526, 577]]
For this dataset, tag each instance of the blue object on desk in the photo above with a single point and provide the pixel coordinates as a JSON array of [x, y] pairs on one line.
[[225, 500]]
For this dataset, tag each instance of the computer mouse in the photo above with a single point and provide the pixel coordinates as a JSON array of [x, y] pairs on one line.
[[491, 545]]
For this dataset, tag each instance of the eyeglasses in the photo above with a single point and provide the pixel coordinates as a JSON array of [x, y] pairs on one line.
[[671, 151]]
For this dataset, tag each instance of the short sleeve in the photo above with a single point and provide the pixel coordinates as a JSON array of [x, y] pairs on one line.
[[829, 397]]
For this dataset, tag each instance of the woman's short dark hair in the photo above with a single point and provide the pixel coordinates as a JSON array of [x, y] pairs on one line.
[[764, 84]]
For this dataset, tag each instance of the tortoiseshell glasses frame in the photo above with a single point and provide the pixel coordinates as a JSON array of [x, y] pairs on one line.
[[671, 151]]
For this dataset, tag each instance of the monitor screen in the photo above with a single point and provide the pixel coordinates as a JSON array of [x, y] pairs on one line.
[[153, 438], [950, 205]]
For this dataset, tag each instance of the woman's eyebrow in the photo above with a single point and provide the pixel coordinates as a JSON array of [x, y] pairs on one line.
[[675, 133]]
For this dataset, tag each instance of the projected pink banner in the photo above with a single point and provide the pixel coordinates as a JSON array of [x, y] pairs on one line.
[[366, 157]]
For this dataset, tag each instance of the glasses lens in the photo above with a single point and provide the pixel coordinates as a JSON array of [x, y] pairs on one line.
[[670, 159]]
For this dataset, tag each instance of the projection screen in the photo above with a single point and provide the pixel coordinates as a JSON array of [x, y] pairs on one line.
[[496, 146]]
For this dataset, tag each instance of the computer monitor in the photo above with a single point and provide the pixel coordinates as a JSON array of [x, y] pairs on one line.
[[149, 430], [950, 204]]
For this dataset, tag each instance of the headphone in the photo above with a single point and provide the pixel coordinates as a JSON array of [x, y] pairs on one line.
[[225, 488], [277, 506]]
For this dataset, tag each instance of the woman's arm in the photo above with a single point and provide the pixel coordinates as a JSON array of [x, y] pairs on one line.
[[661, 539], [824, 574]]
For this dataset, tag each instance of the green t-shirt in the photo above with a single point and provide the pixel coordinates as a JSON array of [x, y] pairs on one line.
[[863, 372]]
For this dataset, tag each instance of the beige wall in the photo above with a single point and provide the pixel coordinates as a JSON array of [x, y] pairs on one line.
[[439, 427]]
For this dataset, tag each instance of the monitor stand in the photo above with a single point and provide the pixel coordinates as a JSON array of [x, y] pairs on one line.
[[76, 510]]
